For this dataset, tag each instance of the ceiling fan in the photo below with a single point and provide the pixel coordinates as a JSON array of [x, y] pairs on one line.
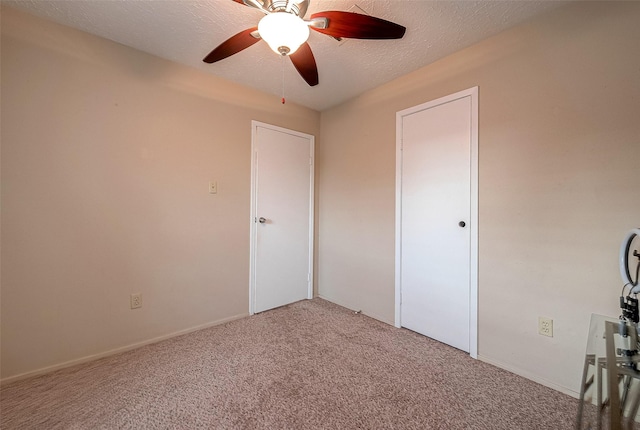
[[286, 32]]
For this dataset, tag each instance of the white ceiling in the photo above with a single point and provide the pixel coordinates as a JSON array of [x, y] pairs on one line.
[[185, 31]]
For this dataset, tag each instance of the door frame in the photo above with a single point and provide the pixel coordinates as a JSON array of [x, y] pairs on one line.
[[473, 257], [253, 215]]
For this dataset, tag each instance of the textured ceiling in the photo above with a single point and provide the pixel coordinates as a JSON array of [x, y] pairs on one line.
[[185, 31]]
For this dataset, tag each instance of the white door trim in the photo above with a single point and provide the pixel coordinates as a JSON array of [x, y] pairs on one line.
[[473, 258], [253, 215]]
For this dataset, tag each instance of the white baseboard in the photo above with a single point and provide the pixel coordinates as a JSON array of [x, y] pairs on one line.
[[530, 376], [115, 351]]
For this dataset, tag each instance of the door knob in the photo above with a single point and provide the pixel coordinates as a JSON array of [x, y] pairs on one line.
[[262, 220], [462, 223]]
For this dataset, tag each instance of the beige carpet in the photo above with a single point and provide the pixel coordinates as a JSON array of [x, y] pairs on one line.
[[309, 365]]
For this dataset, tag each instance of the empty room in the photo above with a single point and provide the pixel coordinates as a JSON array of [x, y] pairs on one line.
[[394, 214]]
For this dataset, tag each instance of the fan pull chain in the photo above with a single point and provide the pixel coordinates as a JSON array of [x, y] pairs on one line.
[[282, 62]]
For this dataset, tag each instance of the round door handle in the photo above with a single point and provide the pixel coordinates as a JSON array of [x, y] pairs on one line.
[[462, 223], [262, 220]]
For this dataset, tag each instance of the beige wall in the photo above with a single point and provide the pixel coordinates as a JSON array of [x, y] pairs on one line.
[[106, 157], [559, 106]]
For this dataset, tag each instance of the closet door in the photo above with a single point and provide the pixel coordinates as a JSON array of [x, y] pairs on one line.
[[435, 220]]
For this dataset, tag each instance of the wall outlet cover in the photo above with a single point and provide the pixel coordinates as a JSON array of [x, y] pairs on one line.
[[136, 300], [545, 326]]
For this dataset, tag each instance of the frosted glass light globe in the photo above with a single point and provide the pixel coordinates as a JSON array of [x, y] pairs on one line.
[[284, 32]]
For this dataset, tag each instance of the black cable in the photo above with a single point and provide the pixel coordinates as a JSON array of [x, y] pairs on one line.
[[623, 287]]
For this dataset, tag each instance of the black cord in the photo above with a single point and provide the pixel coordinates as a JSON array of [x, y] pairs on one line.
[[623, 287]]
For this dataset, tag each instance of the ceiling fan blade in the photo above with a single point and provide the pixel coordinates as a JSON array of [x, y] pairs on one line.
[[305, 64], [252, 3], [358, 26], [232, 45]]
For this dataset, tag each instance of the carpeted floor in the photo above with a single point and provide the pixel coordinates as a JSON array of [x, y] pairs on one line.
[[309, 365]]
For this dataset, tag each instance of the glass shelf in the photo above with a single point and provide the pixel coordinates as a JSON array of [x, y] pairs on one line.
[[610, 389]]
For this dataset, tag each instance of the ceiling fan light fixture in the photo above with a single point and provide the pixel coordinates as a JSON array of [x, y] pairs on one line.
[[283, 31]]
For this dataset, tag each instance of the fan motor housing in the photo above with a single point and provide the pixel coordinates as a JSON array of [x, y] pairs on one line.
[[298, 7]]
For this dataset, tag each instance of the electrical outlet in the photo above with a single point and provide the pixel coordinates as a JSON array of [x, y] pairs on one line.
[[545, 326], [213, 187], [136, 301]]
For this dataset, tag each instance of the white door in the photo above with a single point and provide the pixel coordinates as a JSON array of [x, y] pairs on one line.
[[437, 274], [281, 217]]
